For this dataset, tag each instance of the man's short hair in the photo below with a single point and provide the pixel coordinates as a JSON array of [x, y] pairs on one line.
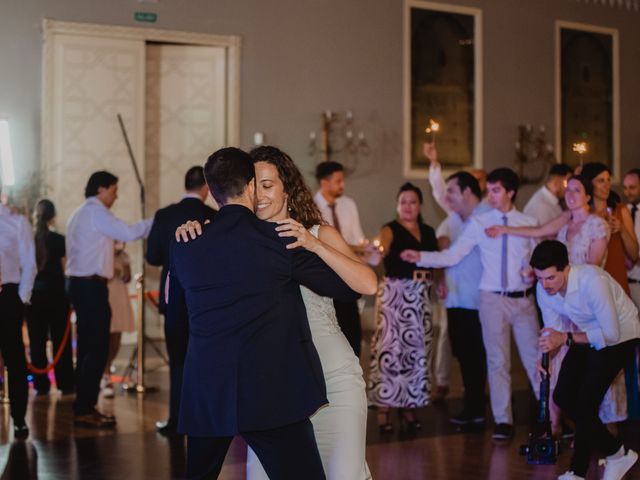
[[634, 171], [325, 169], [507, 178], [560, 170], [550, 253], [194, 179], [99, 179], [228, 171], [466, 180]]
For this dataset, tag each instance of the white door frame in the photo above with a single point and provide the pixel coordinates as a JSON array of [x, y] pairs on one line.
[[50, 28]]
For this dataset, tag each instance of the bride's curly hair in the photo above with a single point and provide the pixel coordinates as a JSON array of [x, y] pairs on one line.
[[299, 199]]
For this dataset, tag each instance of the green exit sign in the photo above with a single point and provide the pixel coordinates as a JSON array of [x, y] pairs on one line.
[[145, 17]]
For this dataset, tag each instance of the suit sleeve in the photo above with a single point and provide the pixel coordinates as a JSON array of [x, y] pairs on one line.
[[313, 273], [154, 243]]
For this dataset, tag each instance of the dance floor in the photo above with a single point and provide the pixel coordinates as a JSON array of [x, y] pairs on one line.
[[57, 450]]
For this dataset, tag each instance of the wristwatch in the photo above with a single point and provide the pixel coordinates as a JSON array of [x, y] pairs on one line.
[[569, 342]]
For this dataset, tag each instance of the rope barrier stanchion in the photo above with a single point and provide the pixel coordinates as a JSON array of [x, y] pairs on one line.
[[140, 387], [5, 391]]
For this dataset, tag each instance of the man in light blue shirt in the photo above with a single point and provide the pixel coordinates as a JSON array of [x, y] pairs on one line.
[[462, 297], [607, 332]]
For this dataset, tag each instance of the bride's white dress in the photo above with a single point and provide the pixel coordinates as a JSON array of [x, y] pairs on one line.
[[340, 427]]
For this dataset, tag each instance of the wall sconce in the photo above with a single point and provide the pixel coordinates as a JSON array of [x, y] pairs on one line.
[[338, 136], [533, 152], [6, 155]]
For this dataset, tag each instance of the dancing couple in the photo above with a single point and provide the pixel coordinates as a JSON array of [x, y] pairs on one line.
[[266, 359]]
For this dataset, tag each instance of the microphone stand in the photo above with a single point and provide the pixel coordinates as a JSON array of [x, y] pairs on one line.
[[139, 352]]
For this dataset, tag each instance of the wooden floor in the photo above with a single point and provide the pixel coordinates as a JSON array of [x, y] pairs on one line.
[[56, 450]]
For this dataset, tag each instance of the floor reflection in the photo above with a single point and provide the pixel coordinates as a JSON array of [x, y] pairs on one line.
[[21, 462]]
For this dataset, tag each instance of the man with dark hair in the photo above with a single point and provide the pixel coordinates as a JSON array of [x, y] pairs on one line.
[[251, 368], [462, 296], [631, 184], [176, 332], [544, 204], [91, 230], [341, 212], [506, 303], [17, 274], [437, 181], [604, 343]]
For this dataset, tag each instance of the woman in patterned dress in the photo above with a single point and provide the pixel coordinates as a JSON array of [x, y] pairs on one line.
[[400, 375]]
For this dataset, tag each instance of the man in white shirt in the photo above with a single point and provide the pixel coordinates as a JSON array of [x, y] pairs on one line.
[[544, 204], [607, 333], [631, 184], [91, 231], [341, 212], [462, 297], [506, 301], [17, 273]]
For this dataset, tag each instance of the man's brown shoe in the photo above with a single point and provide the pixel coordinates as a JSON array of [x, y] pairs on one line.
[[93, 420]]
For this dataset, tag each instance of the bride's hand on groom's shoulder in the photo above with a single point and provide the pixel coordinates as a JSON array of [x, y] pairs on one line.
[[290, 228], [192, 229]]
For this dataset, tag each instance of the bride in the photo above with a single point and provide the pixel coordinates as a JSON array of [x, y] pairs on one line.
[[340, 427]]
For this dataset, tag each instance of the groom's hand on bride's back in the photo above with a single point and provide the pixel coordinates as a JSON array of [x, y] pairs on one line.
[[192, 229]]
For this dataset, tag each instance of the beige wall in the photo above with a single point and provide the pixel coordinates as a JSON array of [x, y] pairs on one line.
[[300, 57]]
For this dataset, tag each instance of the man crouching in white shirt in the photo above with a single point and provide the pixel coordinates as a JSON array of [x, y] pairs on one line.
[[91, 231], [607, 330]]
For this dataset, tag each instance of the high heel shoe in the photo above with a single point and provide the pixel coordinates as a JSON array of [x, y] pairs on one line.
[[384, 425], [408, 420]]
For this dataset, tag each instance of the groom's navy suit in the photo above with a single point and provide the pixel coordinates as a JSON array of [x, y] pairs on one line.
[[251, 366]]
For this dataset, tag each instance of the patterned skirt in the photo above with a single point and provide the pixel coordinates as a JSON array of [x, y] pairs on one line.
[[401, 350]]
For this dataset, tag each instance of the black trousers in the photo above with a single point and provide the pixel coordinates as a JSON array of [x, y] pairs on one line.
[[90, 298], [47, 317], [348, 317], [176, 334], [286, 453], [465, 335], [584, 378], [12, 349]]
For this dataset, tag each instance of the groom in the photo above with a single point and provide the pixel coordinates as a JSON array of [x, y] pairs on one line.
[[251, 367]]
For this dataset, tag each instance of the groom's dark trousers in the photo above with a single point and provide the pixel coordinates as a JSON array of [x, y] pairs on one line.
[[285, 453], [251, 368]]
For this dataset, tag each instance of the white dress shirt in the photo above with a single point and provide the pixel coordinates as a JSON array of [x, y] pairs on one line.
[[347, 213], [463, 278], [438, 187], [91, 231], [518, 251], [595, 303], [17, 253], [634, 273], [543, 205]]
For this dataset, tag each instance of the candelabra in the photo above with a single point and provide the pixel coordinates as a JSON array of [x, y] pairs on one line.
[[533, 152], [338, 137]]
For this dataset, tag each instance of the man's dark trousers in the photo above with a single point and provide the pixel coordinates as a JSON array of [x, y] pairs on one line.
[[348, 317], [90, 299], [286, 453], [465, 334], [12, 349], [584, 378]]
